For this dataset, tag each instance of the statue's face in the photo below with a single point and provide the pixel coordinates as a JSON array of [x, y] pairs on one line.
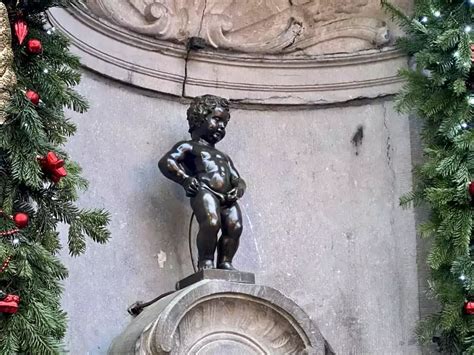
[[213, 130]]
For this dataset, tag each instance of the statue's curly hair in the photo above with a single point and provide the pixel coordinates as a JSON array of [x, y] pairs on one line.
[[201, 106]]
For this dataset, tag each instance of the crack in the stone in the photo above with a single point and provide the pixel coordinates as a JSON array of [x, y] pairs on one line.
[[188, 51], [389, 139], [260, 104], [391, 169], [202, 18], [393, 174], [186, 58]]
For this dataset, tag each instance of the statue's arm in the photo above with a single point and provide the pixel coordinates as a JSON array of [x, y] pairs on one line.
[[237, 180], [170, 164]]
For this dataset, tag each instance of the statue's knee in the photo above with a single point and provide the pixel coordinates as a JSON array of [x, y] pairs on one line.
[[235, 229], [212, 223]]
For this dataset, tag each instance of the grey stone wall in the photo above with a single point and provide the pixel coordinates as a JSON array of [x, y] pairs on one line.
[[321, 217]]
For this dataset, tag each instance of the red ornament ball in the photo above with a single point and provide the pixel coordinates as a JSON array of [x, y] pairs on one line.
[[471, 189], [21, 220], [9, 304], [469, 308], [34, 46], [33, 97]]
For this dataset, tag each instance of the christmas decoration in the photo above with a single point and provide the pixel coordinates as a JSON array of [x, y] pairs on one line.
[[53, 167], [33, 97], [444, 100], [40, 324], [7, 75], [9, 304], [21, 30], [5, 264], [34, 46], [469, 308], [9, 232], [21, 220], [471, 189]]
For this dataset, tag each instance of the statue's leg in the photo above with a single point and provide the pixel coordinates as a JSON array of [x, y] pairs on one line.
[[206, 207], [229, 241]]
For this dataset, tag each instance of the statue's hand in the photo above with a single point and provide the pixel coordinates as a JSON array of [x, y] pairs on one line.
[[240, 191], [191, 186], [233, 195]]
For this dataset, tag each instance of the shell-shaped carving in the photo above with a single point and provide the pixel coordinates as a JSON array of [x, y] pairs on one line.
[[219, 317], [233, 321]]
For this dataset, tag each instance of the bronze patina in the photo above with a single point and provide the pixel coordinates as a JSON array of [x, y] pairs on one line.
[[210, 179]]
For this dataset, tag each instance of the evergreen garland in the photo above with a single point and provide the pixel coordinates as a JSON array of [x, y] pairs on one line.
[[31, 131], [439, 90]]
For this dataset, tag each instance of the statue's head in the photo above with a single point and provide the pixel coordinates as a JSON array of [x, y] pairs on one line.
[[208, 116]]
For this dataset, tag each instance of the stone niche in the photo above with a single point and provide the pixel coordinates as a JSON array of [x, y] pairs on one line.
[[251, 51], [214, 316], [278, 54]]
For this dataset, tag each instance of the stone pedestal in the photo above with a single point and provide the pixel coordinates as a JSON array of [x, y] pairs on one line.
[[213, 314]]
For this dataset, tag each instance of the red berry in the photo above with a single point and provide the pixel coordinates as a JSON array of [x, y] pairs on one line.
[[21, 220], [33, 97], [34, 46]]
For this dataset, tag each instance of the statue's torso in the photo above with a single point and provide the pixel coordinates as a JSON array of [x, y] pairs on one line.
[[210, 166]]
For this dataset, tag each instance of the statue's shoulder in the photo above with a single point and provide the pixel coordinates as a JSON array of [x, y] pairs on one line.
[[184, 145]]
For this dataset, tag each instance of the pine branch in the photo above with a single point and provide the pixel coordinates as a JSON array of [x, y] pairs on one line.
[[437, 92], [31, 131]]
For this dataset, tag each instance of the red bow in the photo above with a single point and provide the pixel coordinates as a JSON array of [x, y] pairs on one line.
[[53, 166]]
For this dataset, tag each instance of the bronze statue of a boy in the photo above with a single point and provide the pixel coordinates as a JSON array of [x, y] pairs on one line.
[[209, 177]]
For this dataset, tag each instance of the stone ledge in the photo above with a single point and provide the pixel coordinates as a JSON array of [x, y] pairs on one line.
[[167, 68], [216, 274]]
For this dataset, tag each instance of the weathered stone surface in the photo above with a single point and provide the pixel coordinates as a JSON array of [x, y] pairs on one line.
[[221, 317], [324, 227]]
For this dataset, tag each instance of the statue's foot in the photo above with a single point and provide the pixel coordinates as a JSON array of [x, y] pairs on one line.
[[205, 264], [226, 265]]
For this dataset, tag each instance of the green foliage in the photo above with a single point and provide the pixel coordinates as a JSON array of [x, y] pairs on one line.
[[35, 272], [436, 91]]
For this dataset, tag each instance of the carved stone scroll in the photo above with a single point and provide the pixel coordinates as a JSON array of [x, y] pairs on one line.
[[264, 26]]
